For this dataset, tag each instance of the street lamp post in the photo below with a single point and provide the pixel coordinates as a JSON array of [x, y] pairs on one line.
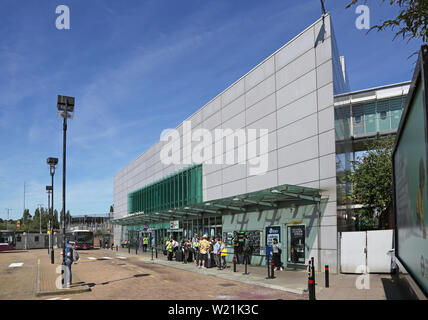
[[48, 191], [52, 162], [7, 221], [65, 107]]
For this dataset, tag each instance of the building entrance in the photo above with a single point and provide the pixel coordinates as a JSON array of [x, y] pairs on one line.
[[296, 244]]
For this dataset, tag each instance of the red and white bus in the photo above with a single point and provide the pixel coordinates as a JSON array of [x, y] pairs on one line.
[[7, 240], [81, 239]]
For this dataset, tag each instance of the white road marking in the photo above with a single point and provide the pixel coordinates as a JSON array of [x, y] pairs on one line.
[[58, 298], [92, 258], [16, 265], [106, 258]]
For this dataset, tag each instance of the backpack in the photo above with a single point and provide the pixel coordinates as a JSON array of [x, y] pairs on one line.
[[75, 255]]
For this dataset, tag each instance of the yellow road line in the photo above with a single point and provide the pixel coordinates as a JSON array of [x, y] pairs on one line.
[[166, 281], [38, 261], [211, 296]]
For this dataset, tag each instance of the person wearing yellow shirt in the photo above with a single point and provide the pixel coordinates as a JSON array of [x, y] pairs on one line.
[[203, 250], [145, 243], [223, 254], [169, 249]]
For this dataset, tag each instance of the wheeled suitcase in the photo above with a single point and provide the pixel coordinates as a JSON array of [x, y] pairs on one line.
[[211, 261], [179, 255], [190, 258]]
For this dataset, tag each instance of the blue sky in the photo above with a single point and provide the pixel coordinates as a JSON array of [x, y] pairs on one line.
[[138, 67]]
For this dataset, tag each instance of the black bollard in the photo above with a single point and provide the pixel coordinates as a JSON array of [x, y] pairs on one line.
[[313, 269], [117, 248], [129, 248], [268, 267], [272, 273], [327, 284], [156, 251], [311, 282], [152, 253], [136, 250], [234, 264], [112, 247]]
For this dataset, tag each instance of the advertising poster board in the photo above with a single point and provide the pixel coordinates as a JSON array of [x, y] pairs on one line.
[[272, 233], [410, 175]]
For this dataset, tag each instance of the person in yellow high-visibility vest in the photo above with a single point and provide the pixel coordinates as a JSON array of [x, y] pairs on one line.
[[169, 249], [145, 243], [223, 254]]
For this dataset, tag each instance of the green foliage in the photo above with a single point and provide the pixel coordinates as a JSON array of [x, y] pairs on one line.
[[372, 182], [411, 22]]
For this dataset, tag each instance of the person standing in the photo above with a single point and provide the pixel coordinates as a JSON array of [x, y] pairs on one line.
[[145, 243], [203, 249], [276, 254], [196, 250], [247, 250], [68, 262], [223, 254], [238, 249], [216, 251], [169, 249]]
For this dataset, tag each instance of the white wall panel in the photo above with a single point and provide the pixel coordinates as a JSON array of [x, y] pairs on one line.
[[260, 91], [233, 92], [298, 131], [327, 142], [259, 74], [328, 166], [297, 47], [233, 108], [325, 73], [296, 69], [297, 89], [297, 110], [261, 109], [326, 119], [235, 187], [299, 173], [298, 152], [325, 96]]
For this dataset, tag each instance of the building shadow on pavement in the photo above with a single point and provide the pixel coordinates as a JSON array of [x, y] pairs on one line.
[[139, 275], [398, 289]]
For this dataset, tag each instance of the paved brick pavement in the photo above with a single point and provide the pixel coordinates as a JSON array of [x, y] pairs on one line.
[[119, 275], [342, 286]]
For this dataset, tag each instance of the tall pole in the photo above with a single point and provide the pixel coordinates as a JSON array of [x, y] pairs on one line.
[[52, 213], [63, 183], [49, 219], [7, 221]]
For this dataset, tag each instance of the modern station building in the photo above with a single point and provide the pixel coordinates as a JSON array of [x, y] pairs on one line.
[[272, 173]]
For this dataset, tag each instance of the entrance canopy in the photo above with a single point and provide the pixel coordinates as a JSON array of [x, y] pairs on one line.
[[270, 198]]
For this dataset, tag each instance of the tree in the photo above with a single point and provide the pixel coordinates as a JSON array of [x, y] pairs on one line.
[[55, 220], [26, 220], [372, 183], [411, 22]]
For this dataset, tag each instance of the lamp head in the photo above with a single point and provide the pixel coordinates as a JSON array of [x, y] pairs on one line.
[[52, 161], [65, 103]]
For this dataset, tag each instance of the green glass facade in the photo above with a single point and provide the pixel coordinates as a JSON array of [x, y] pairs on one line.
[[368, 118], [180, 189]]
